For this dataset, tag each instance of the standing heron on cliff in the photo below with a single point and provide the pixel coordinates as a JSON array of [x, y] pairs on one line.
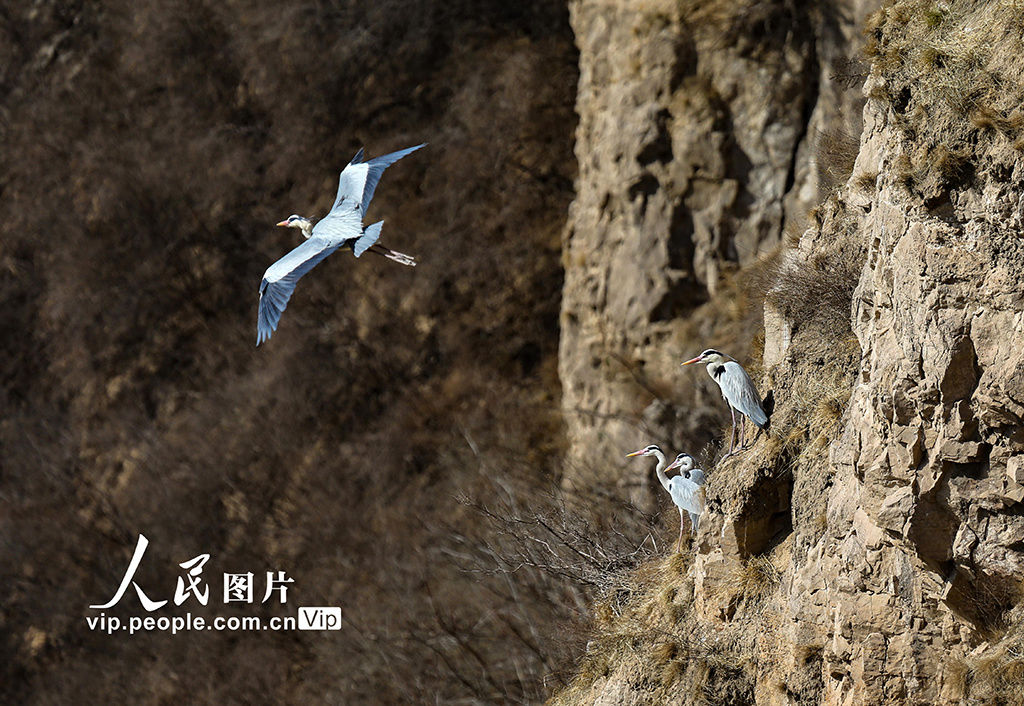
[[687, 490], [737, 389], [341, 228]]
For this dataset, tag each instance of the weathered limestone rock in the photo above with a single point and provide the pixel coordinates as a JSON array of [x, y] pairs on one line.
[[922, 552]]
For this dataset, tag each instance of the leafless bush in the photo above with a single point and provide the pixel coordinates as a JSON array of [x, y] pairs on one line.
[[566, 545], [849, 73], [812, 292], [747, 26]]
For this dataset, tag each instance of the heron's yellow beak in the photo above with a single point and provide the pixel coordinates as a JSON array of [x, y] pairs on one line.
[[635, 453], [283, 223], [695, 360]]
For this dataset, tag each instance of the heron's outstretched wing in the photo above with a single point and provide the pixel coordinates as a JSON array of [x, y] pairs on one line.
[[351, 184], [740, 392], [360, 178], [280, 279], [376, 167]]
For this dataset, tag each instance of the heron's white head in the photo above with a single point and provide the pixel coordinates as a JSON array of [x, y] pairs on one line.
[[709, 356], [297, 221], [684, 462], [651, 450]]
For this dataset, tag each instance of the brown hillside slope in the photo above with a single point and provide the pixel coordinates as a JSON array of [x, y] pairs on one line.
[[146, 150]]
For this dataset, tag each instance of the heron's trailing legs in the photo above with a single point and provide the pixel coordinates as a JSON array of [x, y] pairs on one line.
[[694, 519], [743, 433], [400, 258]]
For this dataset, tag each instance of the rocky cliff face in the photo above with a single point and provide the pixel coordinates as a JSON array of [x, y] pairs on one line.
[[699, 126], [922, 553], [870, 550]]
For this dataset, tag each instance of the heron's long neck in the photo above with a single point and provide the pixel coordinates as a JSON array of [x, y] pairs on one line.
[[307, 230], [660, 469]]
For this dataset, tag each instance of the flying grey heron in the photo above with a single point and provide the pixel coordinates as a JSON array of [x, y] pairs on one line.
[[737, 389], [341, 228], [687, 490]]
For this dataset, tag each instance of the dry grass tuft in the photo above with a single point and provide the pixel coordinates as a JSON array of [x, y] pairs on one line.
[[952, 61], [758, 577], [837, 153], [986, 117], [952, 167], [992, 675], [866, 181], [653, 638]]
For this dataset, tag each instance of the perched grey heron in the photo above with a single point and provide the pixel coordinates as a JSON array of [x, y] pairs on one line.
[[687, 490], [737, 389], [341, 228]]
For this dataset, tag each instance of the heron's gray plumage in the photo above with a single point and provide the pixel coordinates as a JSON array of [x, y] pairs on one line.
[[687, 495], [739, 391], [342, 227], [687, 489], [697, 476]]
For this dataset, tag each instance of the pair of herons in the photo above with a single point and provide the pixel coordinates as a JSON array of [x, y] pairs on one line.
[[687, 489]]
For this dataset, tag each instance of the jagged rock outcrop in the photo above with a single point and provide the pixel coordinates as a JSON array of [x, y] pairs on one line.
[[871, 549], [924, 546], [698, 127]]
